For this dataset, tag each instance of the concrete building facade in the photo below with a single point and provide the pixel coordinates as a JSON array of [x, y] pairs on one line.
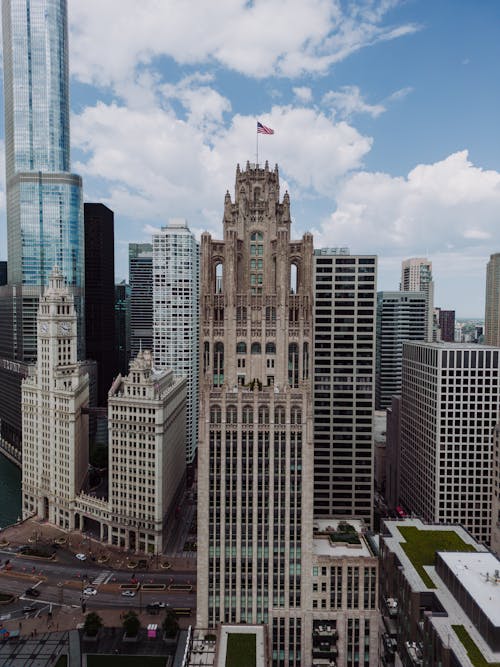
[[449, 410], [401, 316], [176, 314], [416, 276], [344, 383], [492, 306]]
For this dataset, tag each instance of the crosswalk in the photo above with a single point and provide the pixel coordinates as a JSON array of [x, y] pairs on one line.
[[102, 578]]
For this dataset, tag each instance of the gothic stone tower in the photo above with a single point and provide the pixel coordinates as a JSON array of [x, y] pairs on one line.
[[255, 450]]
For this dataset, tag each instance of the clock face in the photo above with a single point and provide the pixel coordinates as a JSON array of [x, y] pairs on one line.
[[44, 327], [65, 327]]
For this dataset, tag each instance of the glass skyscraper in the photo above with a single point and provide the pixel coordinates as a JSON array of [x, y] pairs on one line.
[[44, 200]]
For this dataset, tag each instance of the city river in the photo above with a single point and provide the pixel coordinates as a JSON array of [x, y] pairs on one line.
[[10, 492]]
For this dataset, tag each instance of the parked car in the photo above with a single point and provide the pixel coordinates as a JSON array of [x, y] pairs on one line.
[[128, 594], [81, 556], [89, 591], [32, 592]]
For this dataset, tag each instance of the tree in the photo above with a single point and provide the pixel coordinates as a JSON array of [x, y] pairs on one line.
[[170, 624], [92, 625], [131, 624]]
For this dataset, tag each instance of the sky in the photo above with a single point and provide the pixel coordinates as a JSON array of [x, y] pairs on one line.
[[385, 112]]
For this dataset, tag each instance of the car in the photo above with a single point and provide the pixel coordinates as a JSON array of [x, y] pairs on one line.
[[81, 556], [128, 594], [29, 609], [32, 592], [89, 591], [160, 605]]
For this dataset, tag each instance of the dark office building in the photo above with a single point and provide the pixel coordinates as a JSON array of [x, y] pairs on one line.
[[140, 267], [3, 273], [122, 326], [447, 325], [100, 295]]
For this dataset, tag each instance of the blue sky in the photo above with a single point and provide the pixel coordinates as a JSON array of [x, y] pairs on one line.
[[386, 116]]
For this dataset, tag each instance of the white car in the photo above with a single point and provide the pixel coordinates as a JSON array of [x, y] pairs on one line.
[[89, 591], [128, 594], [81, 556]]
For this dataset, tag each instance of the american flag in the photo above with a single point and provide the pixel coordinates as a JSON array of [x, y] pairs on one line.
[[262, 129]]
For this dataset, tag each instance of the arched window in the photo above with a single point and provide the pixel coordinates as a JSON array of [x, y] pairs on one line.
[[279, 415], [263, 414], [215, 414], [256, 236], [270, 314], [296, 415], [247, 414], [219, 276], [231, 414], [270, 348], [241, 348], [293, 279], [256, 194], [256, 348], [206, 356], [218, 364], [293, 365], [305, 361]]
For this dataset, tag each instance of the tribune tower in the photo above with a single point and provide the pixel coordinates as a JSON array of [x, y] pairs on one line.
[[255, 449]]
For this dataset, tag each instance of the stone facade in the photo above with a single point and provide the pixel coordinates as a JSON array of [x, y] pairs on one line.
[[255, 450]]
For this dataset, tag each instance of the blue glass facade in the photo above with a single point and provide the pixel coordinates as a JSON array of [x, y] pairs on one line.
[[44, 200]]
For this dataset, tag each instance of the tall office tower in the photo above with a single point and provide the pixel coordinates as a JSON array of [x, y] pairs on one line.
[[44, 200], [3, 273], [495, 508], [344, 383], [255, 477], [146, 414], [393, 454], [416, 276], [447, 325], [122, 326], [449, 409], [55, 440], [401, 316], [140, 267], [100, 295], [492, 310], [176, 307]]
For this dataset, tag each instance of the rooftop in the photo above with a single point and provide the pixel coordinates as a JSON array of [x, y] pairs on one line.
[[479, 574], [323, 545]]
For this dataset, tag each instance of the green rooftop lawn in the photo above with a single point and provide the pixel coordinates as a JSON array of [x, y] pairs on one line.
[[475, 655], [421, 547], [241, 650]]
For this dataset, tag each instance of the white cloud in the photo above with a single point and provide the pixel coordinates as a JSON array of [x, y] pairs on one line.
[[448, 206], [303, 94], [157, 166], [259, 39], [348, 101]]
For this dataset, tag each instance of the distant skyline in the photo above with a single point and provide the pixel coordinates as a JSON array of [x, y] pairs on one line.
[[385, 116]]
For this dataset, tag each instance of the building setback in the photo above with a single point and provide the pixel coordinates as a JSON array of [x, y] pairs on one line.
[[176, 315], [100, 295], [401, 316], [449, 409], [140, 265], [344, 383]]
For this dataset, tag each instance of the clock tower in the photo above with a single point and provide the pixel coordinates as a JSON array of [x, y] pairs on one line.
[[55, 433]]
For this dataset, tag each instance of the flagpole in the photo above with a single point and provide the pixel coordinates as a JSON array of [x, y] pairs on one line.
[[257, 150]]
